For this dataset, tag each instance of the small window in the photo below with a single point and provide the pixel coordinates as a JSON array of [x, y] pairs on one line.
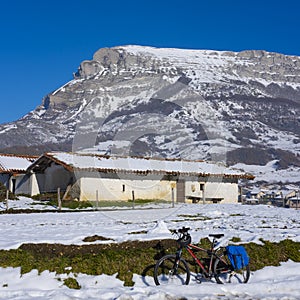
[[201, 186], [123, 188], [193, 188]]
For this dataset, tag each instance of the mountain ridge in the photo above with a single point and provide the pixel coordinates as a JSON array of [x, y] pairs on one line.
[[234, 107]]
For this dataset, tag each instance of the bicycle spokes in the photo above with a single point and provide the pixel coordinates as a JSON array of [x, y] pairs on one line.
[[171, 270], [225, 274]]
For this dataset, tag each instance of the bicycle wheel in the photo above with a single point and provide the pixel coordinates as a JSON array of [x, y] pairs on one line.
[[168, 270], [224, 273]]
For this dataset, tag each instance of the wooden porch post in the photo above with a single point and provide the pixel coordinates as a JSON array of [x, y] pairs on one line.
[[58, 199], [6, 202], [133, 199]]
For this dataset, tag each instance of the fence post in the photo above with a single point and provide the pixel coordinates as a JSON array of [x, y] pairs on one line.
[[173, 204], [133, 199], [97, 200], [6, 202], [241, 194], [58, 198]]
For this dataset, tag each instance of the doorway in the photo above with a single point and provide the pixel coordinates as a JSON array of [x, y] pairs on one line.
[[180, 191]]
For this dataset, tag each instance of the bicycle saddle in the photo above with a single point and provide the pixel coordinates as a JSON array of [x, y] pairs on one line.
[[217, 235]]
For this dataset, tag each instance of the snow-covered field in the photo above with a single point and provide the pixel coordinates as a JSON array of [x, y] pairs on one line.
[[250, 223]]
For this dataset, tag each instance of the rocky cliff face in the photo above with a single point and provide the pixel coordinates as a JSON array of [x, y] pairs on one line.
[[197, 104]]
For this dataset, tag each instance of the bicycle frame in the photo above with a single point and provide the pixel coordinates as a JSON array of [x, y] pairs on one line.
[[214, 264], [207, 271]]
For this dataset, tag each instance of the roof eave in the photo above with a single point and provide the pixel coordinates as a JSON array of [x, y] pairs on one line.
[[171, 173]]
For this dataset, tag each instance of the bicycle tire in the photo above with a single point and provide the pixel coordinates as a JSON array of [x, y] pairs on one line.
[[224, 273], [165, 273]]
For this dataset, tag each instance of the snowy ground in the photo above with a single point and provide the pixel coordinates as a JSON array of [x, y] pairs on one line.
[[250, 223]]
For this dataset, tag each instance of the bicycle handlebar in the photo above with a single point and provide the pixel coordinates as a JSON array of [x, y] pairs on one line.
[[184, 238], [184, 230]]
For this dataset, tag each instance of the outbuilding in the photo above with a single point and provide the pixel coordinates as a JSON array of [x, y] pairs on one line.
[[13, 172], [93, 177]]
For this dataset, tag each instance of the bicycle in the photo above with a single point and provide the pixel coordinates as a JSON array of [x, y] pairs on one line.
[[173, 268]]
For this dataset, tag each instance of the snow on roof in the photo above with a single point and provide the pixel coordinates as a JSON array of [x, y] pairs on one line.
[[15, 163], [256, 190], [81, 161]]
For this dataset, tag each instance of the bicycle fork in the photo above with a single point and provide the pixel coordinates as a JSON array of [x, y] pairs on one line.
[[176, 262]]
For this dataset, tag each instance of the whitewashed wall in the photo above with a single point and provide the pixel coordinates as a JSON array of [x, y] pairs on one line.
[[54, 177], [120, 187], [211, 189], [4, 178], [193, 188], [144, 187], [221, 190], [37, 184], [22, 185]]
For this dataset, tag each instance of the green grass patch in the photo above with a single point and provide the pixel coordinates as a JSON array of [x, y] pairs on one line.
[[147, 201], [50, 199], [3, 194], [127, 258], [90, 239], [128, 203], [271, 254], [237, 215], [197, 217], [138, 232], [72, 283], [46, 197], [71, 204], [108, 203], [236, 240]]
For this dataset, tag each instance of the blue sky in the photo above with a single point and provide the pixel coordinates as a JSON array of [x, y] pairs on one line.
[[44, 41]]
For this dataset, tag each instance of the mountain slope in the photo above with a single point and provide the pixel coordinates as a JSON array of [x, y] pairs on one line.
[[235, 107]]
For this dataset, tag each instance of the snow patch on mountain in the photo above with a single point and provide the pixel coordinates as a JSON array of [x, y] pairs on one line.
[[270, 172], [195, 104]]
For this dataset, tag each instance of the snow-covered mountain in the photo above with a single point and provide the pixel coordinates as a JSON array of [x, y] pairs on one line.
[[233, 107]]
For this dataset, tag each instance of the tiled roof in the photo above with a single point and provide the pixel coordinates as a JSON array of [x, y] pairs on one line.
[[10, 163], [140, 165]]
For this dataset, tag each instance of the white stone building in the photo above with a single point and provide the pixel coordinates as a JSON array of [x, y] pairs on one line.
[[13, 172], [96, 177]]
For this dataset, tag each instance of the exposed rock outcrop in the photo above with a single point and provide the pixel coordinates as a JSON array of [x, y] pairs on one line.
[[170, 102]]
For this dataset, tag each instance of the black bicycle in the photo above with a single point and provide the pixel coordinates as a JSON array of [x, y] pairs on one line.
[[174, 269]]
